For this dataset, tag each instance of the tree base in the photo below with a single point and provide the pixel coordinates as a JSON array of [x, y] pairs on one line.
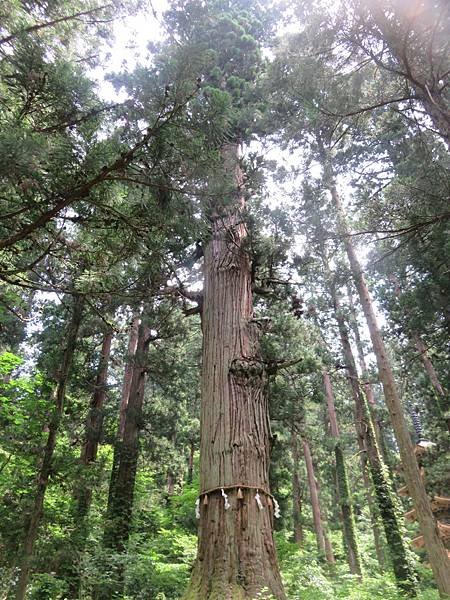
[[236, 553]]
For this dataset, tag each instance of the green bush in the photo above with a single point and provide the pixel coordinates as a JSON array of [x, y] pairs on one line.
[[46, 586]]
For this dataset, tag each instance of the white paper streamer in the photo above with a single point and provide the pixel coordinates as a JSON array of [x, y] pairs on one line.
[[197, 508], [225, 497], [276, 512], [258, 500], [426, 444]]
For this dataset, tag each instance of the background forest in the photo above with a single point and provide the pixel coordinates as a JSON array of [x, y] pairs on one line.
[[307, 142]]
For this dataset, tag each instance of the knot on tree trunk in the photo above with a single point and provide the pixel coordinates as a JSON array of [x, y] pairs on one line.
[[247, 370]]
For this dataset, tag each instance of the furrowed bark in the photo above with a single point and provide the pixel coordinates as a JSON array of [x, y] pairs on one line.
[[437, 554], [19, 590], [236, 553], [170, 485]]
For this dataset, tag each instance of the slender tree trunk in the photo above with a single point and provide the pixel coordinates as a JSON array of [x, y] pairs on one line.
[[94, 424], [367, 386], [329, 554], [236, 552], [296, 490], [389, 511], [362, 446], [126, 386], [374, 514], [431, 372], [121, 494], [361, 437], [170, 483], [83, 493], [429, 368], [437, 554], [345, 500], [47, 460], [368, 392], [315, 503], [128, 373], [367, 482], [190, 473]]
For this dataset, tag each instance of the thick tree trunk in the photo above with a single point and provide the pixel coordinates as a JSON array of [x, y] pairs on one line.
[[431, 372], [121, 493], [296, 490], [437, 554], [83, 493], [389, 511], [314, 497], [61, 378], [345, 500], [236, 552]]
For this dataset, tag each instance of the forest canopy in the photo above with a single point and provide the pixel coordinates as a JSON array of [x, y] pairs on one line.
[[224, 299]]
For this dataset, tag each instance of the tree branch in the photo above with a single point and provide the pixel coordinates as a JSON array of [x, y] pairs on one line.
[[369, 108], [39, 26], [84, 190]]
